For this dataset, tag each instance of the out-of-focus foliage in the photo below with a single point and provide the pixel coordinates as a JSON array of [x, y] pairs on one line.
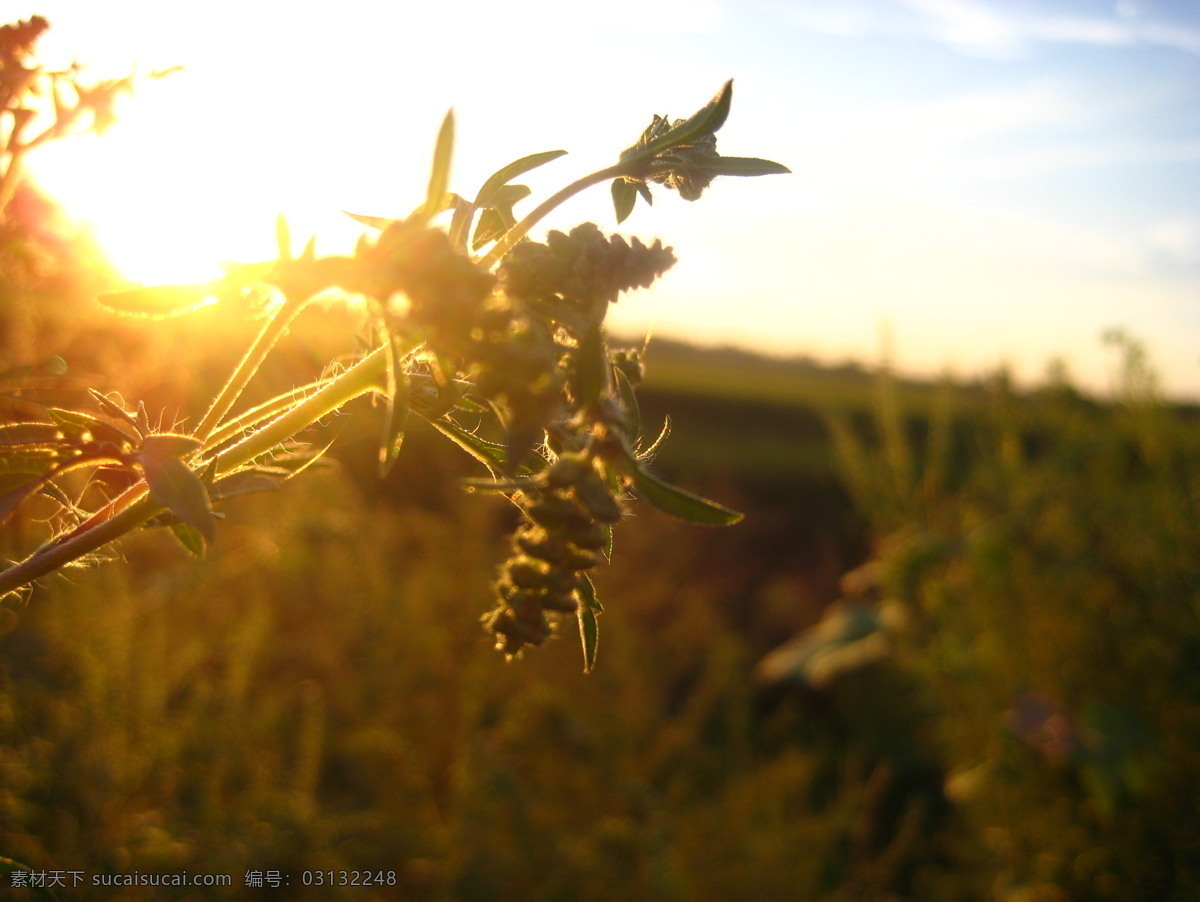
[[1046, 556]]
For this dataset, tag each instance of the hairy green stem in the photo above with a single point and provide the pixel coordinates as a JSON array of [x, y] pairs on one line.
[[247, 420], [53, 557], [519, 231], [232, 390], [367, 375]]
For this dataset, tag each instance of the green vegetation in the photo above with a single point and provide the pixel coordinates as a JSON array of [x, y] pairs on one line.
[[1001, 706]]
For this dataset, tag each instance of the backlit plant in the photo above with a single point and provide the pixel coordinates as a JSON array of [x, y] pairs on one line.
[[473, 322]]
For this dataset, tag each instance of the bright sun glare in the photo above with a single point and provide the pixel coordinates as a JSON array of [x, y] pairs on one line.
[[169, 201]]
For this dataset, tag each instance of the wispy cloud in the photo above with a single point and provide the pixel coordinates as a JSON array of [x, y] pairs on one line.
[[1013, 29], [1008, 30]]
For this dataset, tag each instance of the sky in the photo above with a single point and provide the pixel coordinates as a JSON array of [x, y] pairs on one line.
[[975, 183]]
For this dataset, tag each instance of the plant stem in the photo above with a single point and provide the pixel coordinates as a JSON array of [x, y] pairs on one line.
[[51, 558], [517, 232], [361, 378], [364, 376], [249, 365]]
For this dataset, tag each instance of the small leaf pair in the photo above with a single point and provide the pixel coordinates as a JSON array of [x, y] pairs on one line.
[[175, 485], [683, 157]]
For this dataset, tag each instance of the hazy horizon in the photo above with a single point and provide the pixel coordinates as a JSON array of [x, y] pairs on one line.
[[984, 183]]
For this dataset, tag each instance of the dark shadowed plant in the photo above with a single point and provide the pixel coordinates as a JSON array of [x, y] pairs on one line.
[[1040, 563], [494, 339]]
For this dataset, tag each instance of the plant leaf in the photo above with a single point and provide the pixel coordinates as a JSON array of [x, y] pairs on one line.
[[589, 632], [439, 175], [624, 197], [705, 121], [496, 485], [677, 502], [173, 484], [506, 174], [487, 453], [101, 430], [492, 224], [395, 418], [190, 538], [746, 166], [283, 237], [497, 216], [115, 410], [159, 301], [248, 482], [374, 222], [683, 504], [30, 434], [629, 402]]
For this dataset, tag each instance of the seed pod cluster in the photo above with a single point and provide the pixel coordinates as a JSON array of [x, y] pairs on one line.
[[583, 266], [512, 357], [446, 291], [567, 510], [630, 363], [688, 168]]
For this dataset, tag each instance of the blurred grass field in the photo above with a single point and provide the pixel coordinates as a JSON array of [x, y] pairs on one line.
[[1015, 719]]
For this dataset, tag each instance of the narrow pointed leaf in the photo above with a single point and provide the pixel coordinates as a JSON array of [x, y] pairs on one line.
[[247, 482], [490, 454], [506, 174], [395, 419], [460, 222], [491, 226], [374, 222], [589, 632], [747, 166], [159, 301], [101, 430], [487, 453], [680, 503], [677, 502], [506, 196], [629, 403], [283, 237], [32, 461], [439, 176], [496, 485], [624, 197], [189, 538], [113, 409], [707, 120], [497, 216], [30, 434]]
